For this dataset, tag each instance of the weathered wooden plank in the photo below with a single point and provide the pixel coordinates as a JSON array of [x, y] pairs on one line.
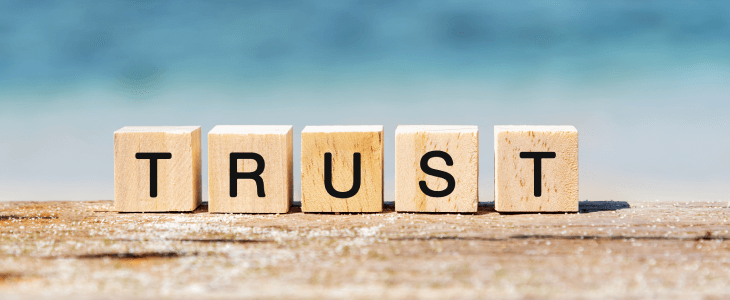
[[608, 250]]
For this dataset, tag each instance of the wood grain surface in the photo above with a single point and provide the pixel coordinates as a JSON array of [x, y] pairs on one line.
[[611, 249], [178, 178], [461, 143], [274, 144], [342, 142], [514, 187]]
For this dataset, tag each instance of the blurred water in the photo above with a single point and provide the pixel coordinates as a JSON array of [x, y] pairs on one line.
[[646, 83]]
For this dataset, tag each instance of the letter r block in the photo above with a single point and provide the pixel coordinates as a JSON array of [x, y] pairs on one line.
[[177, 184], [461, 143], [273, 144], [535, 169], [342, 143]]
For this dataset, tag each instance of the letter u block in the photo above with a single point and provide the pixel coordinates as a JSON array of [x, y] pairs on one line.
[[250, 169], [535, 168], [342, 169], [423, 154], [157, 168]]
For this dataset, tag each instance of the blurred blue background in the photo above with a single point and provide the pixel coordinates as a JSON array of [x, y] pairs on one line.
[[647, 83]]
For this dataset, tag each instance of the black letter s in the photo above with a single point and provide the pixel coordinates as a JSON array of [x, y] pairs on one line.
[[451, 183]]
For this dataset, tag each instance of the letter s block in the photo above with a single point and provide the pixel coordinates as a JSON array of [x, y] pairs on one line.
[[169, 154], [272, 145], [535, 169], [342, 169], [454, 150]]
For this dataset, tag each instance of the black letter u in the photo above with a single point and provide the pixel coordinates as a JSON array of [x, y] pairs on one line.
[[355, 176]]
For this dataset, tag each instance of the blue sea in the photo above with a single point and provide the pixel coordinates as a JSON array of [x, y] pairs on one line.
[[646, 83]]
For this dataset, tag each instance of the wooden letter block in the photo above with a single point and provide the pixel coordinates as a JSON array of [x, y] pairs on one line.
[[261, 180], [342, 169], [157, 168], [535, 168], [422, 154]]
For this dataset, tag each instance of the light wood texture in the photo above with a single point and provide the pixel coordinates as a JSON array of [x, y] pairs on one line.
[[462, 145], [342, 142], [274, 144], [178, 178], [514, 176], [611, 250]]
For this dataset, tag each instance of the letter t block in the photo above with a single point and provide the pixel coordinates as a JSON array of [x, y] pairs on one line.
[[157, 168], [342, 169], [272, 177], [535, 169]]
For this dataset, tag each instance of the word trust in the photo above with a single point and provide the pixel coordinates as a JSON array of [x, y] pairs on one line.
[[250, 167]]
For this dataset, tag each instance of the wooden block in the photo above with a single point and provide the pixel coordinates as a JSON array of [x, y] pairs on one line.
[[433, 145], [169, 153], [331, 187], [264, 187], [520, 153]]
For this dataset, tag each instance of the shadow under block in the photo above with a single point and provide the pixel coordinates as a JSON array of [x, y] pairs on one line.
[[274, 145], [514, 177], [461, 143], [342, 142], [178, 178]]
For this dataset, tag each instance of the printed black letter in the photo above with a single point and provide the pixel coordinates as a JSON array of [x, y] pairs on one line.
[[450, 182], [355, 176], [538, 167], [255, 175], [153, 157]]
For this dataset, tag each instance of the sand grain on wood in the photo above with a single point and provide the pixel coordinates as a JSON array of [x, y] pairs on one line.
[[609, 250]]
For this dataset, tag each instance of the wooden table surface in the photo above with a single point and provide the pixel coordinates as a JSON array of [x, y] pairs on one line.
[[80, 250]]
